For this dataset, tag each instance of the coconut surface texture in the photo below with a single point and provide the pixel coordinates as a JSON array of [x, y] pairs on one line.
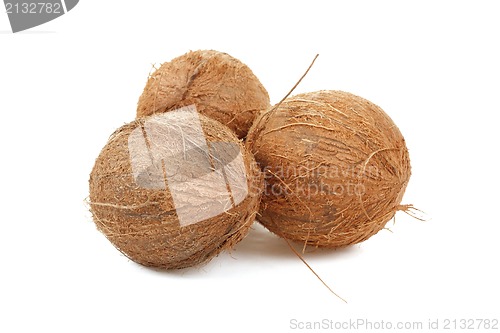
[[221, 87], [336, 168], [174, 190]]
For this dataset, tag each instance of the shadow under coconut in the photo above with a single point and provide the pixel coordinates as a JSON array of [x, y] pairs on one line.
[[261, 245]]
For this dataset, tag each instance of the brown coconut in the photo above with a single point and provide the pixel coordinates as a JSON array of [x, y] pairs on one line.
[[170, 197], [222, 88], [336, 168]]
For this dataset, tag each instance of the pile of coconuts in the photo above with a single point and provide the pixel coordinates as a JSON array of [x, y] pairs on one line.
[[207, 155]]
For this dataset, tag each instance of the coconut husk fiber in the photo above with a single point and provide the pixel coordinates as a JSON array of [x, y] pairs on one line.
[[169, 196], [222, 88], [336, 168]]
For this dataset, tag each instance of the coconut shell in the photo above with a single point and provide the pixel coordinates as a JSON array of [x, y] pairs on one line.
[[336, 168], [174, 190], [221, 87]]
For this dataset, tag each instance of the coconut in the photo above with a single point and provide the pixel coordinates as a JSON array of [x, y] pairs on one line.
[[336, 168], [173, 190], [221, 87]]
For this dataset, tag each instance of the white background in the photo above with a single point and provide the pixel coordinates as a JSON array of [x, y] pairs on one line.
[[67, 85]]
